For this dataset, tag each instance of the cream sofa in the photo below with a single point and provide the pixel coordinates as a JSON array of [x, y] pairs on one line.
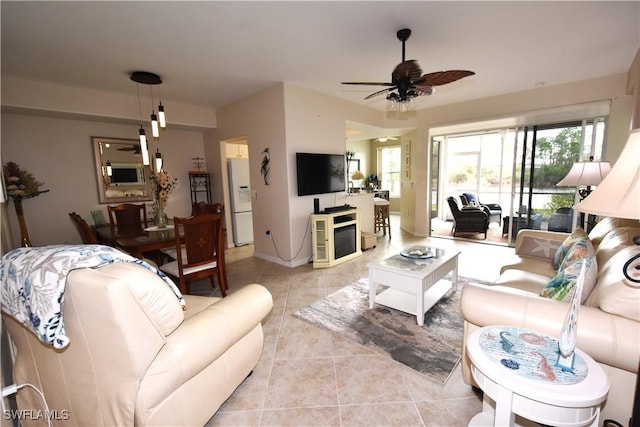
[[135, 357], [609, 319]]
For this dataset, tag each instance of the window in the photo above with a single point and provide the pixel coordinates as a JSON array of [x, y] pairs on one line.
[[389, 159]]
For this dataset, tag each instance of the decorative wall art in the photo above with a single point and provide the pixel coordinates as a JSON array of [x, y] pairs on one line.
[[265, 167]]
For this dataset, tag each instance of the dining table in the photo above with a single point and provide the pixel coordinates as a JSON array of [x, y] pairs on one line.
[[137, 241], [144, 242]]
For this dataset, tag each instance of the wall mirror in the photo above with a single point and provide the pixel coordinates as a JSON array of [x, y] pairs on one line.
[[121, 176]]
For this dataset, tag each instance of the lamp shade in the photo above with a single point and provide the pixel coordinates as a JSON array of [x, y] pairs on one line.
[[618, 195], [357, 175], [585, 173]]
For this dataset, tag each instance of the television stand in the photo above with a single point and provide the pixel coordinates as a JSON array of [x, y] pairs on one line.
[[336, 237]]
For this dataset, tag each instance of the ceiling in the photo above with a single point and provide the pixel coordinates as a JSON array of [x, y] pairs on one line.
[[212, 53]]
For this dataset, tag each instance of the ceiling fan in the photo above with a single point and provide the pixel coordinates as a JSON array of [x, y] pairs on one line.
[[134, 147], [408, 80]]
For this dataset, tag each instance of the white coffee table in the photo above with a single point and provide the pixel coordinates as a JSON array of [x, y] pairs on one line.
[[517, 372], [414, 285]]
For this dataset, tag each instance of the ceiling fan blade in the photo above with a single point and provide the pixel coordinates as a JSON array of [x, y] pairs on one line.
[[369, 83], [442, 77], [381, 92], [406, 71]]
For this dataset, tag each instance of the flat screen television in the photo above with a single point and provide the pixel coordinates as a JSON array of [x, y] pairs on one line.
[[127, 174], [320, 173]]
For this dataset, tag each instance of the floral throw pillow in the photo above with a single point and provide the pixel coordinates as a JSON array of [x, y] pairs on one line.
[[563, 285], [578, 235]]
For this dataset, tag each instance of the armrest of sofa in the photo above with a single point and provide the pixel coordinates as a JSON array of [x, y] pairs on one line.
[[603, 336], [206, 335], [539, 243]]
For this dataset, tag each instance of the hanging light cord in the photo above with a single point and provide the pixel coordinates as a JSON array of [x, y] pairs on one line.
[[139, 104]]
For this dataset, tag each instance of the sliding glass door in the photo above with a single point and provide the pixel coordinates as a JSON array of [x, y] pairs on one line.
[[517, 169], [546, 154]]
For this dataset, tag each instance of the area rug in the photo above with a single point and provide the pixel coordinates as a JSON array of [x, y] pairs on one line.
[[433, 349]]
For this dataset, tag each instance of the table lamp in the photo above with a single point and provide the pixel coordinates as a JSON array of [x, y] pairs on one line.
[[357, 175], [585, 174], [618, 196]]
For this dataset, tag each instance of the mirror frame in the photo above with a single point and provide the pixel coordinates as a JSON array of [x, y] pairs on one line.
[[100, 183]]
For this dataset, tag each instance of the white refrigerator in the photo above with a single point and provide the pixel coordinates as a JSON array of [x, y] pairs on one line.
[[240, 191]]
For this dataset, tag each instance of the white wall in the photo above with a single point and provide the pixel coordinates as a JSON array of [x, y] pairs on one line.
[[59, 153], [314, 123], [260, 120]]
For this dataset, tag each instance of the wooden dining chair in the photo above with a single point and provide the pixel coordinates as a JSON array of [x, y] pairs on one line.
[[200, 244], [199, 208], [128, 216], [86, 232]]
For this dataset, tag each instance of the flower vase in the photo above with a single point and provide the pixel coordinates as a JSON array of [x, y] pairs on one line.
[[25, 241], [161, 219]]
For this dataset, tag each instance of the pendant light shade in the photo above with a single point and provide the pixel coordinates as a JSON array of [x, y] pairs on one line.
[[144, 148], [163, 121], [155, 131], [158, 161]]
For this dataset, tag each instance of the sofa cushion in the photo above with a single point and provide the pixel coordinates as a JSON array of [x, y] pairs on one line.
[[580, 249], [523, 280], [605, 225], [614, 241], [578, 236], [615, 294], [563, 285]]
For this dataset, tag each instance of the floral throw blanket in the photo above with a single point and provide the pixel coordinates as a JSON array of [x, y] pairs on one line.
[[34, 280]]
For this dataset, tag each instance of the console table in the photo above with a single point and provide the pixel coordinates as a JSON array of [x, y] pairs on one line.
[[517, 370]]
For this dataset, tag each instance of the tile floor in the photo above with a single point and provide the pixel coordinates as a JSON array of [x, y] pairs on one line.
[[309, 377]]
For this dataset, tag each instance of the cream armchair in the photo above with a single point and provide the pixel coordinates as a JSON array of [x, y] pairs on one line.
[[134, 356]]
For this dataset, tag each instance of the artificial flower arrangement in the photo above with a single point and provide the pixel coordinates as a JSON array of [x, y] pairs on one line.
[[163, 185]]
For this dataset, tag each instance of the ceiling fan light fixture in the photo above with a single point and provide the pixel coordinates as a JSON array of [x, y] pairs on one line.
[[408, 82]]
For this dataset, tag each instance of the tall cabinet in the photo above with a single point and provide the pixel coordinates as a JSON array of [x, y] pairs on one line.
[[200, 185], [335, 237]]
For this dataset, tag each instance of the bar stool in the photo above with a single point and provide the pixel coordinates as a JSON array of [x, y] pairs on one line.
[[381, 216]]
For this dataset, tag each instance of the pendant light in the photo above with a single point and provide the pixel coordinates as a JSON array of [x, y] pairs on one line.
[[155, 130], [163, 121], [141, 133], [151, 80], [158, 161]]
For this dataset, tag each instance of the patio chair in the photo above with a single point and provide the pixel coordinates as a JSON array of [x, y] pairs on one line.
[[468, 220], [493, 210]]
